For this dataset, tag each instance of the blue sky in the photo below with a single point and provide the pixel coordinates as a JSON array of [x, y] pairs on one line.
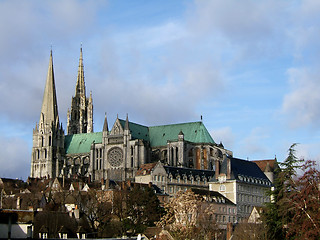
[[250, 68]]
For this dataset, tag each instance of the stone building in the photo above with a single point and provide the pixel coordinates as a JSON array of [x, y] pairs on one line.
[[243, 183], [115, 153]]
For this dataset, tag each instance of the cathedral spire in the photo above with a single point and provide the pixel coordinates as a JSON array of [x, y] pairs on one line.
[[80, 87], [80, 117], [105, 124], [49, 110]]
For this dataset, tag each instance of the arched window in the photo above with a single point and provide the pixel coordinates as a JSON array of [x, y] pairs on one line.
[[45, 153], [49, 140]]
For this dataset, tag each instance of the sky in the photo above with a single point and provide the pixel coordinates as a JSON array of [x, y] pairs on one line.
[[249, 68]]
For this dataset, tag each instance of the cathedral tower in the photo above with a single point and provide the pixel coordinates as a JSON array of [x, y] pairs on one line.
[[80, 116], [48, 136]]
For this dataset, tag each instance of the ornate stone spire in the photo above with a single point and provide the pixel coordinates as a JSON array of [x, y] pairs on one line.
[[80, 117], [80, 87], [49, 109]]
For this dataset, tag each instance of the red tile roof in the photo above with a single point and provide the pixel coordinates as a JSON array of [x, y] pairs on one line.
[[146, 169], [262, 164]]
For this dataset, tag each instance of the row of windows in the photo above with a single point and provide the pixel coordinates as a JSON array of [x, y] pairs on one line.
[[225, 219], [254, 180], [245, 208], [250, 198], [161, 178], [40, 165], [42, 141], [251, 189], [43, 153], [224, 210]]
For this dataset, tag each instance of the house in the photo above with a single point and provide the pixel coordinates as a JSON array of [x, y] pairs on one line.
[[173, 179], [243, 183], [268, 167], [255, 216], [16, 224]]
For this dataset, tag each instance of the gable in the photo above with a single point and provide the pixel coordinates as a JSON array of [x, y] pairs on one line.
[[117, 128], [137, 131]]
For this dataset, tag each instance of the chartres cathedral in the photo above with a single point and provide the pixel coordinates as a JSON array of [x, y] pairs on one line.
[[115, 153]]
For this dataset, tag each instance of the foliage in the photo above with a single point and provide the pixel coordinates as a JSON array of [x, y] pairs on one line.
[[305, 203], [294, 211], [189, 216], [142, 209], [96, 207], [250, 231]]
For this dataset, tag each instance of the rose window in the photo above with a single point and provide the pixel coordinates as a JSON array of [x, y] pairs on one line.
[[115, 157]]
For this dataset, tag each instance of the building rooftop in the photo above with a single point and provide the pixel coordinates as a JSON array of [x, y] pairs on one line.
[[194, 132]]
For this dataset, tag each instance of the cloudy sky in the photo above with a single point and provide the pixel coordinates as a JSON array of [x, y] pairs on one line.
[[250, 68]]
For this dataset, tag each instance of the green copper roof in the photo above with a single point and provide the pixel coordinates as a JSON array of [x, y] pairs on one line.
[[193, 132], [81, 143], [137, 131], [157, 136]]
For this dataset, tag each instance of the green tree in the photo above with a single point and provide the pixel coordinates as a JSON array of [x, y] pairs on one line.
[[142, 209], [278, 214]]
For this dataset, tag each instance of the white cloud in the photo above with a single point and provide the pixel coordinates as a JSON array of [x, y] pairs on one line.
[[254, 143], [302, 103], [224, 135]]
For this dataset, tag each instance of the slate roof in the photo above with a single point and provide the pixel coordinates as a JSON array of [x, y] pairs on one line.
[[243, 170], [158, 136], [214, 194]]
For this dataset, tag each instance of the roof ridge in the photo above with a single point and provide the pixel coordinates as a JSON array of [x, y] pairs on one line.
[[79, 134], [121, 120], [172, 124]]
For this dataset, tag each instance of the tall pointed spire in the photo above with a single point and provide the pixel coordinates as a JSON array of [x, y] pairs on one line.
[[80, 87], [80, 119], [49, 110], [105, 124]]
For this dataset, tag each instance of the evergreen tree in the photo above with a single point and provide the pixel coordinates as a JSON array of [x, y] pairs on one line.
[[278, 214]]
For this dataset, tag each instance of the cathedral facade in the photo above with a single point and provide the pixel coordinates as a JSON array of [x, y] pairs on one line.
[[116, 153]]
